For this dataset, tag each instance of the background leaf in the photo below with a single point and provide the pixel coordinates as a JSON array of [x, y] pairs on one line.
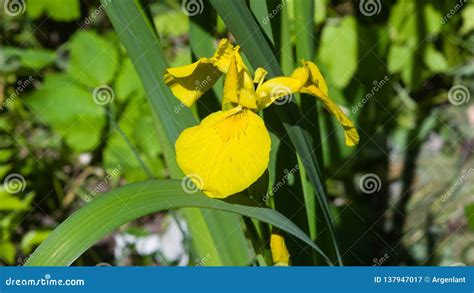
[[70, 109], [93, 59], [338, 51], [59, 10]]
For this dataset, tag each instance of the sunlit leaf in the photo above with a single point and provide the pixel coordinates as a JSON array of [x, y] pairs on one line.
[[338, 51], [122, 205]]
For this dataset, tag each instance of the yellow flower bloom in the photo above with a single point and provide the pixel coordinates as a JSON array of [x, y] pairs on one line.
[[280, 254], [230, 149]]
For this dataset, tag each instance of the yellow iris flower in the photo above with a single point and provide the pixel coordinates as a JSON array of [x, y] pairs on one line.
[[230, 149]]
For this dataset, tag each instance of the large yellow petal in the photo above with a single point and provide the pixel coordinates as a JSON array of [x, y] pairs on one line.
[[226, 153], [189, 82], [280, 254]]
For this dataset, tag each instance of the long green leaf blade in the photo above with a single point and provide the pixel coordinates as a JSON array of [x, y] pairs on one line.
[[122, 205]]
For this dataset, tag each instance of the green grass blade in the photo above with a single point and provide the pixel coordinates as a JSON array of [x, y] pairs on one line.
[[208, 229], [304, 23], [260, 10], [246, 31], [112, 209], [281, 27]]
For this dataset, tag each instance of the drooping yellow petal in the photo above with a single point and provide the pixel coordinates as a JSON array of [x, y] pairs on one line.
[[227, 152], [275, 88], [224, 53], [314, 84], [315, 77], [189, 82], [301, 73], [280, 254], [350, 132]]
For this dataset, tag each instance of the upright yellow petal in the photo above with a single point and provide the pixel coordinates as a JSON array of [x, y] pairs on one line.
[[280, 254], [232, 83], [224, 53], [189, 82], [227, 152], [238, 87]]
